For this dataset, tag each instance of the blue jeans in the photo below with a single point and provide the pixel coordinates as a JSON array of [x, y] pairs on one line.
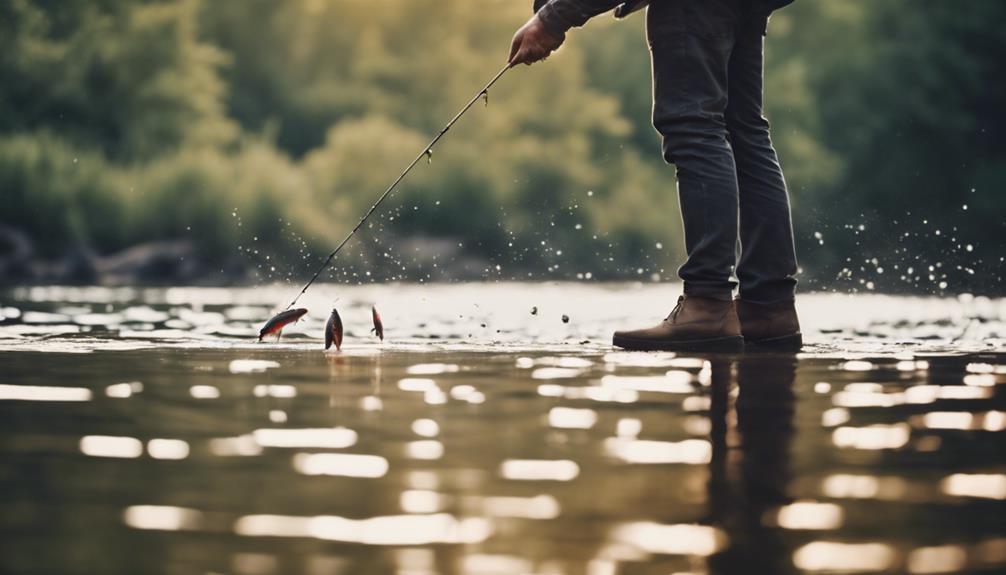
[[707, 76]]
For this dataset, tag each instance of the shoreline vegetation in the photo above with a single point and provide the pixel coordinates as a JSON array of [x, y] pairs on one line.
[[179, 141]]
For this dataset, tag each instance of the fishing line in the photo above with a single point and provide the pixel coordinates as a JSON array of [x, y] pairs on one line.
[[428, 153]]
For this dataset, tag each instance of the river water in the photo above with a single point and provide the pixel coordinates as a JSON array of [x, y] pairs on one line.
[[145, 431]]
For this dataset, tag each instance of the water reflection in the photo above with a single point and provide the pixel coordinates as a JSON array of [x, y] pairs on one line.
[[939, 559], [832, 556], [537, 507], [344, 464], [43, 393], [161, 517], [751, 438], [809, 515], [124, 390], [691, 451], [385, 530], [699, 540], [466, 462], [845, 486], [539, 470], [424, 449], [879, 436], [335, 438], [168, 448], [110, 446], [989, 485]]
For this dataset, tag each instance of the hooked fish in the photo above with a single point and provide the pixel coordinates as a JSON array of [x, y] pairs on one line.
[[333, 330], [279, 321], [378, 324]]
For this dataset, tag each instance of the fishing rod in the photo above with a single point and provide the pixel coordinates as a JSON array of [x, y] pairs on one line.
[[428, 153]]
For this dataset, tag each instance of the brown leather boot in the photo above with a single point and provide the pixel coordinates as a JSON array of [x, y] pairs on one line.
[[772, 327], [696, 324]]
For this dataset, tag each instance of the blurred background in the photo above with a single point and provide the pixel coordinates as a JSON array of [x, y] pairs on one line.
[[179, 141]]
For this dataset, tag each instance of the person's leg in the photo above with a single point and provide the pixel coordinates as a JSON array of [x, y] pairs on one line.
[[768, 258], [691, 43]]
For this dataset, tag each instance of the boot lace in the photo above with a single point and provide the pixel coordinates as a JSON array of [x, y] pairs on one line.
[[677, 309]]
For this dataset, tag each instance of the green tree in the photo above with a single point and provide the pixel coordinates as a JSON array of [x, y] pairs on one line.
[[128, 78]]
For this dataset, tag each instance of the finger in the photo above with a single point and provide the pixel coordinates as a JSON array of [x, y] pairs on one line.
[[521, 57], [514, 47], [535, 54]]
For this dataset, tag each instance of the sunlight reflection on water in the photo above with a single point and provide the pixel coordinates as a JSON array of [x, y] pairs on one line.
[[853, 557], [336, 438], [345, 464], [690, 451], [387, 530], [700, 540], [161, 517], [539, 470], [109, 446], [43, 393]]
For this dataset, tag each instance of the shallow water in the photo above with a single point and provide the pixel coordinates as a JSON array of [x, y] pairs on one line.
[[145, 431]]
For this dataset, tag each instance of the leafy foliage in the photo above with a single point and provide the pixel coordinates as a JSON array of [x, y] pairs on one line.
[[263, 130]]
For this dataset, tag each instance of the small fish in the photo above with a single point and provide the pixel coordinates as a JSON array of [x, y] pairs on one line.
[[378, 324], [279, 321], [333, 330], [534, 310], [565, 318]]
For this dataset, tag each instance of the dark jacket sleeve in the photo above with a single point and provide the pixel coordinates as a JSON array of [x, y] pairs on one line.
[[558, 16]]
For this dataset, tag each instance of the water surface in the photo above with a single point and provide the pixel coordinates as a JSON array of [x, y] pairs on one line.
[[143, 431]]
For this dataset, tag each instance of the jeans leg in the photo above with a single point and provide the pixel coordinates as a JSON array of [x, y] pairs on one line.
[[691, 42], [768, 257]]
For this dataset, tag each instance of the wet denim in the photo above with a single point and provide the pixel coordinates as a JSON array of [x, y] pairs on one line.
[[707, 75]]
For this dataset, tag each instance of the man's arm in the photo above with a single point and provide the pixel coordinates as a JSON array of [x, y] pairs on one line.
[[546, 30], [558, 16]]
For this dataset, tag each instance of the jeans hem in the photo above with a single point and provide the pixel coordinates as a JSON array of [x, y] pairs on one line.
[[768, 298], [709, 292]]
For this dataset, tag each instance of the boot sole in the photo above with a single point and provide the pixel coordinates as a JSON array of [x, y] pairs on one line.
[[733, 343], [791, 342]]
